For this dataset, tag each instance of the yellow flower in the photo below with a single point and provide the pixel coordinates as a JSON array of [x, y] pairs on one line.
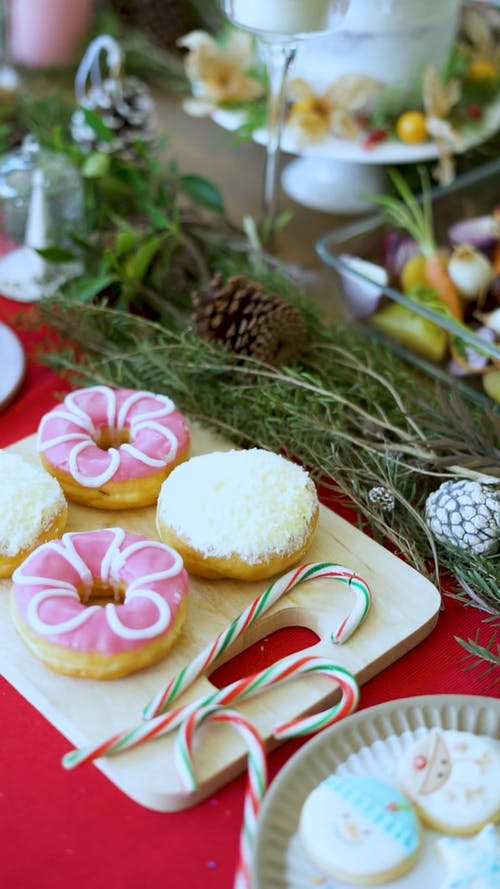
[[482, 48], [313, 117], [218, 73], [439, 98]]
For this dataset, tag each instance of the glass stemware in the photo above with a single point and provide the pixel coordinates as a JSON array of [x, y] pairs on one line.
[[279, 25], [9, 80]]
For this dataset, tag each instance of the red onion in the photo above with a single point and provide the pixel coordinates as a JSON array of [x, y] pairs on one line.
[[493, 295], [473, 362], [363, 284], [397, 249], [481, 232]]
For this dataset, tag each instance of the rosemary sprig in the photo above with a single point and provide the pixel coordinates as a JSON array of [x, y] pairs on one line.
[[347, 411]]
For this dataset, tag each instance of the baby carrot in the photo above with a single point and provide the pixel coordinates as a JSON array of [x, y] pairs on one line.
[[417, 219], [437, 276]]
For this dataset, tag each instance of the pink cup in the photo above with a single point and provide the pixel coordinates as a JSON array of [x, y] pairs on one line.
[[47, 32]]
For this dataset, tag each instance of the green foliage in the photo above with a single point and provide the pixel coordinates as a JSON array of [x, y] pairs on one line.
[[56, 254], [201, 192], [348, 410]]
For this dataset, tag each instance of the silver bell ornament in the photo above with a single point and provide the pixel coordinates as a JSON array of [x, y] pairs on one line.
[[124, 104], [41, 204], [465, 514]]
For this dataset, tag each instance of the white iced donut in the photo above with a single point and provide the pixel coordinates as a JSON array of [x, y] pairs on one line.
[[57, 595], [112, 448], [245, 514], [32, 510]]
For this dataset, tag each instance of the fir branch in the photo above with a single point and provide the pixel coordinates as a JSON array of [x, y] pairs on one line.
[[346, 411], [486, 654]]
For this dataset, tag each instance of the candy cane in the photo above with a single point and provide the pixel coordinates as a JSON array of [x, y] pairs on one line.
[[89, 64], [279, 672], [256, 780], [212, 652]]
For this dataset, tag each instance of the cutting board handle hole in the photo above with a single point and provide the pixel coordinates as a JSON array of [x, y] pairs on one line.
[[263, 653]]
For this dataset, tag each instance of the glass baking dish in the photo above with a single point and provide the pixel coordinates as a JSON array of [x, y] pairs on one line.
[[473, 194]]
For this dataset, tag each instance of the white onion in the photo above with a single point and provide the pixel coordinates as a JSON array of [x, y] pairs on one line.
[[470, 271], [490, 319]]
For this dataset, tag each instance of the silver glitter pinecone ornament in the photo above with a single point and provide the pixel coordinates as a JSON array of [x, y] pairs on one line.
[[465, 514], [126, 107], [124, 104], [382, 497]]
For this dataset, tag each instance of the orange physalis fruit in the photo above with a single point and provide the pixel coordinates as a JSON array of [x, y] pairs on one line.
[[411, 127]]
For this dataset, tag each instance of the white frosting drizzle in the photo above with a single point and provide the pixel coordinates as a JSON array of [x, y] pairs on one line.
[[64, 548], [111, 554], [61, 439], [113, 560], [93, 481], [63, 626], [109, 396], [117, 419], [67, 549], [145, 458], [168, 408], [146, 632], [77, 419], [125, 554]]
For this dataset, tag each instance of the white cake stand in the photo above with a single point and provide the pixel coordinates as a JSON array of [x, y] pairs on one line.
[[339, 175]]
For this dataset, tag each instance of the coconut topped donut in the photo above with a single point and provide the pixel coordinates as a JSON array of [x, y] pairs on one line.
[[32, 509], [244, 514]]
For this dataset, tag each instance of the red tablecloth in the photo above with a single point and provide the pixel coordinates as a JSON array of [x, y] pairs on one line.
[[75, 829]]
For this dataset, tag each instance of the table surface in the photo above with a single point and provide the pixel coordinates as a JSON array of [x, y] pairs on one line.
[[75, 828]]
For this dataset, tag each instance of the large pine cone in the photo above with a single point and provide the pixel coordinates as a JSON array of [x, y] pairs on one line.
[[465, 514], [126, 107], [249, 321]]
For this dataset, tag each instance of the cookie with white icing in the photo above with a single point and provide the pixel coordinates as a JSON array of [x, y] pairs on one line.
[[359, 830], [453, 779]]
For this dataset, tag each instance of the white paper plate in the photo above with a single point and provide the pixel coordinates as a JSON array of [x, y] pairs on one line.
[[369, 742], [12, 364]]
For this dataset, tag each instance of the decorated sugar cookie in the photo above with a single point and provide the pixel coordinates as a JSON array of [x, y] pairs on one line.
[[359, 830], [472, 863], [453, 778]]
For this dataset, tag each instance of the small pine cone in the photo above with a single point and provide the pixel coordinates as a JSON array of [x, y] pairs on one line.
[[382, 497], [465, 514], [249, 321], [126, 108]]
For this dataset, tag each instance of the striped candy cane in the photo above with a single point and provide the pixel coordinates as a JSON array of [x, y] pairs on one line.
[[199, 665], [256, 780], [282, 671]]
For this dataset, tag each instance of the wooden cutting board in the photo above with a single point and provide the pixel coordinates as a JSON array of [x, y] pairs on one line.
[[405, 609]]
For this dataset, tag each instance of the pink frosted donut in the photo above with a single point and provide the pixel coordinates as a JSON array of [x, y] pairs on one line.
[[112, 448], [56, 593]]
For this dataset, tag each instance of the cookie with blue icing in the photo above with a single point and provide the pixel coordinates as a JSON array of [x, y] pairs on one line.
[[472, 863], [359, 829]]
